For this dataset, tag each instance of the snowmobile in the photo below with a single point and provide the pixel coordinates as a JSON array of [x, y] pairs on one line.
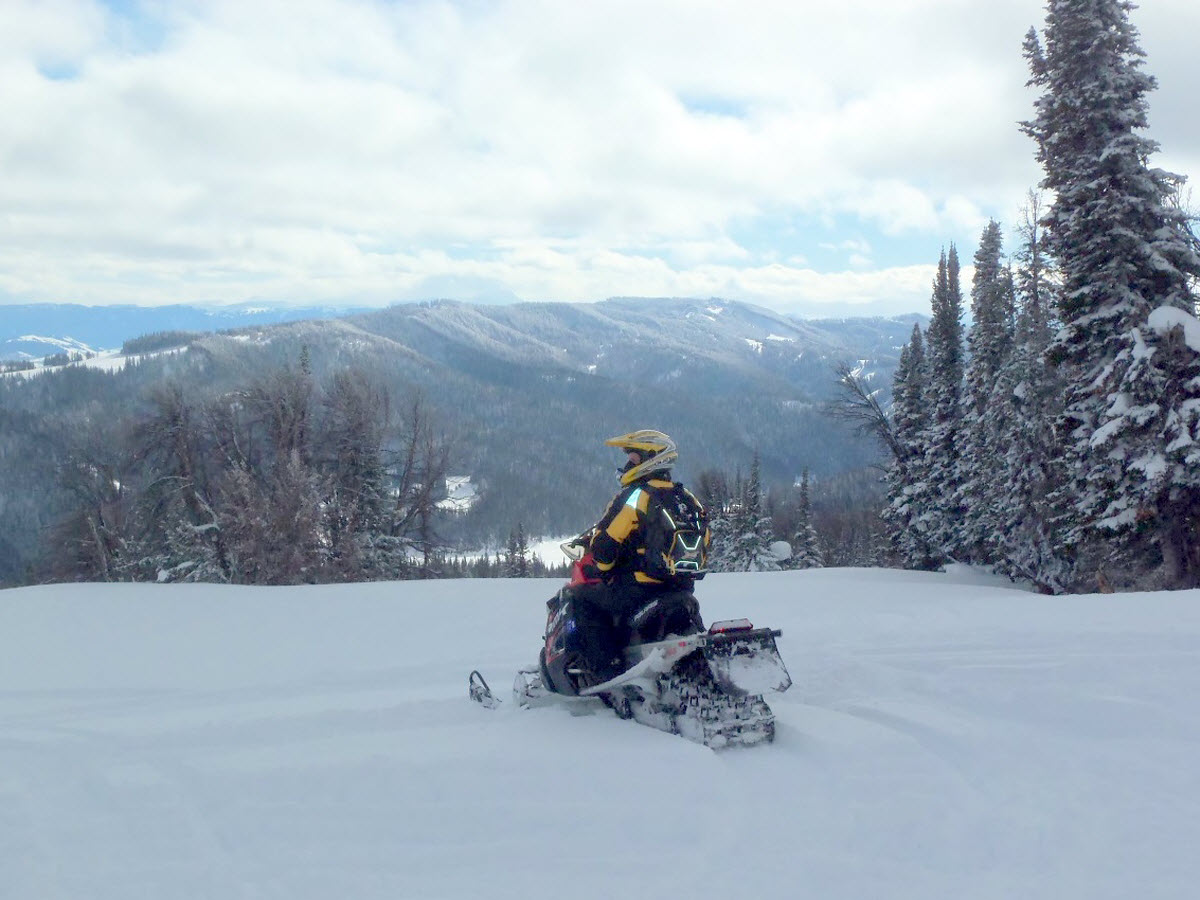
[[706, 685]]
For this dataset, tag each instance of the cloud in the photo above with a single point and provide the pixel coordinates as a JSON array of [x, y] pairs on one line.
[[337, 149]]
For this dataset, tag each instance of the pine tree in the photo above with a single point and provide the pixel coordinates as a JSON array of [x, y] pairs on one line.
[[806, 548], [1127, 261], [1036, 279], [182, 535], [742, 532], [717, 496], [516, 554], [1027, 401], [522, 552], [944, 352], [355, 510], [992, 314], [905, 517], [750, 539], [983, 432], [924, 514]]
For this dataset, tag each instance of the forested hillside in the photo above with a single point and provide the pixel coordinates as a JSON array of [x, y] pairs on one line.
[[518, 399], [1058, 437]]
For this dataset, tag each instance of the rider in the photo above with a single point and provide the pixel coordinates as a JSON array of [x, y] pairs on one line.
[[640, 598]]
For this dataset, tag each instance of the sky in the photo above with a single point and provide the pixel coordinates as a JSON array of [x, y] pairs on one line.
[[812, 158]]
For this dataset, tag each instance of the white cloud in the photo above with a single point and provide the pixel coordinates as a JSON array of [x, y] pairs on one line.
[[329, 149]]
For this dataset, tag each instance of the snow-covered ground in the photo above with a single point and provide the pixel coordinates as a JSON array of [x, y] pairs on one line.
[[946, 737], [104, 360]]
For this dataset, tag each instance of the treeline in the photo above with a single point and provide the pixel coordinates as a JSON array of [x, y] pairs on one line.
[[1059, 439], [833, 522], [284, 481], [159, 340], [66, 358], [515, 561], [63, 358]]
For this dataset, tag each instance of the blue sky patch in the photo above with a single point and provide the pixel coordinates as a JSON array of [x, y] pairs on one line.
[[135, 26], [832, 243], [712, 105], [58, 70]]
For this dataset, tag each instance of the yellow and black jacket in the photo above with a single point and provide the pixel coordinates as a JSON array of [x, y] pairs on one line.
[[618, 544]]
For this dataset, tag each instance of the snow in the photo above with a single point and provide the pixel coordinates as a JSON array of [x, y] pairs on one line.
[[549, 549], [947, 736], [1164, 318], [461, 494], [1152, 465], [104, 360], [66, 344]]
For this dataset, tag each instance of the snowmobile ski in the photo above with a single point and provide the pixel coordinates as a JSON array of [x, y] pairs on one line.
[[480, 692]]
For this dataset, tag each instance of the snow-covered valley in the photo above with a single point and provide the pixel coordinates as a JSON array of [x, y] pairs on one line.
[[946, 736]]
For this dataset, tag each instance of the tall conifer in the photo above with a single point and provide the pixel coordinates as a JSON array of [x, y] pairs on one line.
[[944, 351], [906, 515], [978, 482], [806, 547], [1127, 259]]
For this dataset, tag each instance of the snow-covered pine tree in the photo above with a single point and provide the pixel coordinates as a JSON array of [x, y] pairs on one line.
[[352, 428], [742, 542], [983, 438], [725, 523], [510, 555], [944, 351], [522, 552], [1026, 399], [906, 515], [754, 542], [516, 554], [929, 497], [715, 494], [992, 315], [1127, 260], [806, 546], [181, 535], [1026, 402], [1036, 279]]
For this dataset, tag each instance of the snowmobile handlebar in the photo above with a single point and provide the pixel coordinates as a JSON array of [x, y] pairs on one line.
[[577, 546]]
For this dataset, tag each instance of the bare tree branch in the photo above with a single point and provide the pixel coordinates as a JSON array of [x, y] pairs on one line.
[[859, 406]]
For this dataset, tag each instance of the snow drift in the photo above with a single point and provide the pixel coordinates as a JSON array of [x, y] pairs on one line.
[[945, 737]]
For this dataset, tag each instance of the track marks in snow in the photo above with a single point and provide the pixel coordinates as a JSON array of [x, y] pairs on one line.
[[939, 742]]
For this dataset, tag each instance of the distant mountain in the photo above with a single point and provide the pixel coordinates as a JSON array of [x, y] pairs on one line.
[[525, 393], [721, 346], [32, 331]]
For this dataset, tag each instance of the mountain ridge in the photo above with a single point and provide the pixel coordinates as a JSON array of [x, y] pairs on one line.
[[524, 395]]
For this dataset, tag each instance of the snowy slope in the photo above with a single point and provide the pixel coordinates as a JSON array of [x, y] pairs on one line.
[[34, 346], [946, 738], [104, 360]]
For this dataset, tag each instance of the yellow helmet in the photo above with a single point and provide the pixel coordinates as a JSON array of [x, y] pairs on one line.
[[657, 449]]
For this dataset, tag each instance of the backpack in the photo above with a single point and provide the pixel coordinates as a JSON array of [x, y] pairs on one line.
[[675, 526]]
